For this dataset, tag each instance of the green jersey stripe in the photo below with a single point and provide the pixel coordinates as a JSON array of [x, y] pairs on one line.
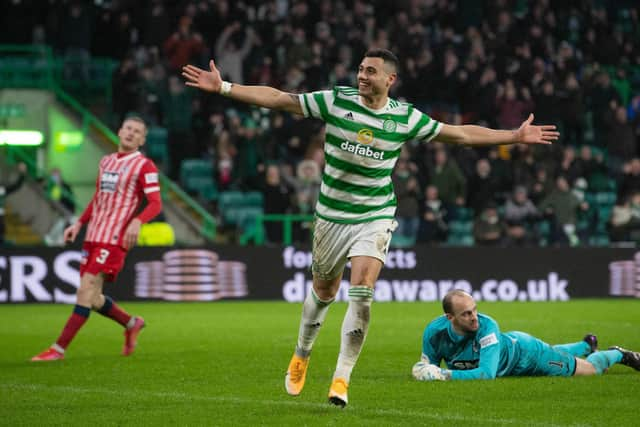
[[350, 207], [306, 103], [362, 190], [322, 105], [352, 106], [432, 131], [424, 120], [360, 170], [359, 220]]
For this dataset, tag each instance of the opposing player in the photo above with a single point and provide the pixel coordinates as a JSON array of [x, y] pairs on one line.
[[113, 220], [365, 130], [473, 347]]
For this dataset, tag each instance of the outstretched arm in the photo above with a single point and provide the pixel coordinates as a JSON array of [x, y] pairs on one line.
[[472, 135], [262, 96]]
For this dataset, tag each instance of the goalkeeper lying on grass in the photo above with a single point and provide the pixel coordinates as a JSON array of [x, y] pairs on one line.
[[473, 347]]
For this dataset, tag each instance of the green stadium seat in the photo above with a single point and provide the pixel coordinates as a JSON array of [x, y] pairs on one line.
[[398, 241], [455, 239], [254, 198], [464, 214], [230, 199], [156, 146], [461, 227], [607, 198], [604, 213], [599, 239], [196, 176]]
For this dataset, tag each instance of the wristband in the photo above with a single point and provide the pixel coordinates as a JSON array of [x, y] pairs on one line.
[[225, 88]]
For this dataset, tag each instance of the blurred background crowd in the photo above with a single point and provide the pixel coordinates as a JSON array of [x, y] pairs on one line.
[[573, 63]]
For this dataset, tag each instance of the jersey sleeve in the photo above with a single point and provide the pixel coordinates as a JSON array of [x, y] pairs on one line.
[[148, 178], [428, 351], [316, 104], [150, 184], [489, 341], [423, 127]]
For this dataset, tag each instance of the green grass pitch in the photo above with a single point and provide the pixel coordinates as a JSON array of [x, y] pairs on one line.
[[224, 364]]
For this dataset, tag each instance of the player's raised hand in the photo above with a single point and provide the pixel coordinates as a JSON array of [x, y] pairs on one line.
[[203, 79], [536, 134], [71, 232]]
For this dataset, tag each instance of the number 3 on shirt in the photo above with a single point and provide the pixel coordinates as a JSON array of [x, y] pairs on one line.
[[104, 254]]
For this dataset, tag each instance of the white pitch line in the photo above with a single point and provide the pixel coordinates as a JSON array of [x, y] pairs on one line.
[[182, 397]]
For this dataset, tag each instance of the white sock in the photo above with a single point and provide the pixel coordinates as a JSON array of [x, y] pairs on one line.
[[314, 311], [354, 330]]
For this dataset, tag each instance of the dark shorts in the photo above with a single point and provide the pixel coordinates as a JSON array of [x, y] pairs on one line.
[[102, 258]]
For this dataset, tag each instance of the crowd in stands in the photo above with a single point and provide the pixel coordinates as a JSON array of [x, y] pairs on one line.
[[574, 63]]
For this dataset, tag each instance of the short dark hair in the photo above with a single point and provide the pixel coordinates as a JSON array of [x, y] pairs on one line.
[[446, 301], [387, 56]]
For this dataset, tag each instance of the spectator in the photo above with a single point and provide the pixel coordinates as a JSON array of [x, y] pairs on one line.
[[483, 187], [277, 200], [59, 191], [512, 109], [572, 110], [624, 224], [7, 189], [520, 215], [230, 55], [542, 186], [183, 46], [630, 182], [561, 207], [407, 191], [306, 185], [488, 228], [448, 179], [433, 218], [620, 139]]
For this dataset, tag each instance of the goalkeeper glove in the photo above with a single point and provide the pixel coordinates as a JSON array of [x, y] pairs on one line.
[[423, 371]]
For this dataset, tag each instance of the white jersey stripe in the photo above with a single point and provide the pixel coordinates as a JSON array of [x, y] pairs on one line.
[[151, 190]]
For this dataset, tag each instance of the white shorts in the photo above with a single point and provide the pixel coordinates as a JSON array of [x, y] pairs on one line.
[[334, 244]]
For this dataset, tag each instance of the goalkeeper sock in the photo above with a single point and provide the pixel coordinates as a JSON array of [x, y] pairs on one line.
[[314, 311], [603, 360], [578, 349], [354, 330]]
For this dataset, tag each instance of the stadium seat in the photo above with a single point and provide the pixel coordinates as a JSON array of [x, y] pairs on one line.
[[253, 198], [196, 176], [229, 199], [464, 214], [599, 239], [156, 146], [455, 239], [605, 198], [399, 241], [461, 227]]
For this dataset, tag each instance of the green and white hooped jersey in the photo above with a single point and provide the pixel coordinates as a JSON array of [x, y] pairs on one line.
[[361, 148]]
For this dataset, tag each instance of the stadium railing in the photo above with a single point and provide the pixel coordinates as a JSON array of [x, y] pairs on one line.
[[256, 234]]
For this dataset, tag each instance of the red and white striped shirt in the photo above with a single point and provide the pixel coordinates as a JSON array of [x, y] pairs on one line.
[[122, 182]]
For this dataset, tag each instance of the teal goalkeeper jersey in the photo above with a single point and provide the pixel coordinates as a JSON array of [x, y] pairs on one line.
[[487, 354], [361, 148]]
